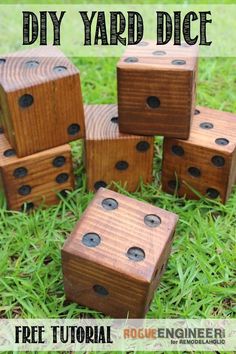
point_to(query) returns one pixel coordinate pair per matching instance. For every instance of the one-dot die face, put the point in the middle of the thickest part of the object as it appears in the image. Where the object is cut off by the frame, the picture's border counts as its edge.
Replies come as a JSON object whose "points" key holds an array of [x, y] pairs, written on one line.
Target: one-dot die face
{"points": [[119, 244]]}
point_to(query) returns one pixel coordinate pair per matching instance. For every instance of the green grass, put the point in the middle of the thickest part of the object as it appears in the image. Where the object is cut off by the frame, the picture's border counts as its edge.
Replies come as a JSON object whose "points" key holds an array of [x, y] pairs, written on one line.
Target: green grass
{"points": [[199, 280]]}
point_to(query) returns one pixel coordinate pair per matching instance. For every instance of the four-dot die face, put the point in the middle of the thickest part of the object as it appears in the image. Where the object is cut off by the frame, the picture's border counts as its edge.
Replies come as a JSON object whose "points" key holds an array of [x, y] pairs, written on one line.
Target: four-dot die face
{"points": [[205, 164], [156, 90], [41, 100], [113, 156], [116, 254]]}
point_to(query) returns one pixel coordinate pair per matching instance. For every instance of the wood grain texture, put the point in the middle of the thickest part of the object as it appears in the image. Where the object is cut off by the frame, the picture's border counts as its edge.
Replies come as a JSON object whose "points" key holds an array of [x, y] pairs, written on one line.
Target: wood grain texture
{"points": [[40, 176], [199, 151], [105, 146], [129, 283], [57, 100], [155, 75]]}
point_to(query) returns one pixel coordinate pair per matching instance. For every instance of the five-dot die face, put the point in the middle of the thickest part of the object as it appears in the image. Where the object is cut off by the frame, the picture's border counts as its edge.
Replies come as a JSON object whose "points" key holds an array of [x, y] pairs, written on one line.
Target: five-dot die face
{"points": [[113, 156], [40, 99], [156, 90], [115, 256], [205, 164]]}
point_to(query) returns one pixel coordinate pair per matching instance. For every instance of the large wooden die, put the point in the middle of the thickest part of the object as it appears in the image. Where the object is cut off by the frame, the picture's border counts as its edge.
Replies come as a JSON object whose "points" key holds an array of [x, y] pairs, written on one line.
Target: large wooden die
{"points": [[114, 258], [41, 100], [156, 90], [205, 164], [113, 156], [28, 182]]}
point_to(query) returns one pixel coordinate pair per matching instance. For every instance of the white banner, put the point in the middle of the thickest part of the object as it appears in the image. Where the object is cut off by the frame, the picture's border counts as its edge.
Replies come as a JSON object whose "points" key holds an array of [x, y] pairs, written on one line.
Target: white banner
{"points": [[112, 335]]}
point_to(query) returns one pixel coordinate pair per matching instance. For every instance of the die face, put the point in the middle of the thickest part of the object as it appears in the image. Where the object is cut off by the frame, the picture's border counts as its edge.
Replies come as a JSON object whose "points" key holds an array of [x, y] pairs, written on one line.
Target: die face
{"points": [[36, 179], [42, 107], [113, 156], [203, 163], [118, 244], [156, 96]]}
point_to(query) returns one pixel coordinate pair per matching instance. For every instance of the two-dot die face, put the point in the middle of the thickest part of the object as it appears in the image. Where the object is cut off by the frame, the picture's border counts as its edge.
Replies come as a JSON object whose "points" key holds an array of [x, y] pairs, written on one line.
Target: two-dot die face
{"points": [[40, 99], [115, 256], [205, 164], [156, 90]]}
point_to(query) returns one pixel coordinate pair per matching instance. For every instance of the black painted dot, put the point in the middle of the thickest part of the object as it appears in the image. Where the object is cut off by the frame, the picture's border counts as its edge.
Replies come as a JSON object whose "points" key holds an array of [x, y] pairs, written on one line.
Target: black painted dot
{"points": [[212, 193], [196, 111], [26, 101], [109, 204], [122, 165], [153, 102], [194, 171], [20, 172], [64, 193], [31, 64], [152, 220], [91, 239], [218, 161], [9, 153], [1, 130], [100, 290], [178, 62], [25, 190], [131, 60], [59, 69], [99, 184], [59, 161], [2, 61], [159, 53], [114, 120], [177, 150], [142, 146], [136, 254], [73, 129], [173, 184], [206, 125], [27, 206], [62, 178], [222, 141]]}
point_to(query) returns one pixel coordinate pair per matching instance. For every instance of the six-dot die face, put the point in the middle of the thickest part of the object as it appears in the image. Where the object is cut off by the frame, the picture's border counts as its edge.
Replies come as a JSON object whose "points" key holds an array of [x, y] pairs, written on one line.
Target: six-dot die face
{"points": [[36, 179], [115, 256], [205, 163]]}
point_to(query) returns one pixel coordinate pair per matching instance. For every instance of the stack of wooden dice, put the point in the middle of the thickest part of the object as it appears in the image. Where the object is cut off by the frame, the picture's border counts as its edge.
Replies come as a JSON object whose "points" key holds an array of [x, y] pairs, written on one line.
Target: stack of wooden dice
{"points": [[41, 110], [117, 253]]}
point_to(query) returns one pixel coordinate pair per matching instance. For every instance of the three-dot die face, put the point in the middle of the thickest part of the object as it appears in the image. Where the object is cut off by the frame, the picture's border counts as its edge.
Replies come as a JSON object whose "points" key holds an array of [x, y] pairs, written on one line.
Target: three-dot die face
{"points": [[115, 256], [203, 165]]}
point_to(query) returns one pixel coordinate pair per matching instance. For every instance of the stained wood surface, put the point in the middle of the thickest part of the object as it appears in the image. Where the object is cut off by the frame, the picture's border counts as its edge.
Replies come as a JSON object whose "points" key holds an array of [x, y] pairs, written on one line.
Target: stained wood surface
{"points": [[155, 75], [105, 146], [199, 150], [129, 283], [41, 176], [57, 99]]}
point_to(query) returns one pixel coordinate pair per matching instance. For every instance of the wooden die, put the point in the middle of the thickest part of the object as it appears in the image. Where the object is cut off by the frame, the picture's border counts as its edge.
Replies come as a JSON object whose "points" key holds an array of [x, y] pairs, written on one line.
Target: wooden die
{"points": [[113, 156], [205, 164], [114, 258], [156, 90], [40, 99], [30, 181]]}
